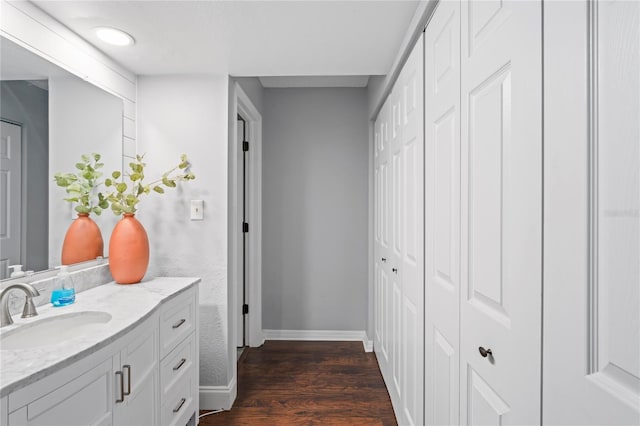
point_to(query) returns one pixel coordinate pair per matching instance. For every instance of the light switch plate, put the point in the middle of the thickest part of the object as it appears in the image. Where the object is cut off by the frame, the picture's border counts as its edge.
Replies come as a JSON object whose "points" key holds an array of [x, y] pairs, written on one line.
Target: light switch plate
{"points": [[197, 210]]}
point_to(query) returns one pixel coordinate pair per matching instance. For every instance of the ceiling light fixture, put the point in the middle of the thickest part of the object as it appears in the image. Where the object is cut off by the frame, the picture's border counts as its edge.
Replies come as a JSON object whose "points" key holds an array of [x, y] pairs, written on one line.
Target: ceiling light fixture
{"points": [[114, 36]]}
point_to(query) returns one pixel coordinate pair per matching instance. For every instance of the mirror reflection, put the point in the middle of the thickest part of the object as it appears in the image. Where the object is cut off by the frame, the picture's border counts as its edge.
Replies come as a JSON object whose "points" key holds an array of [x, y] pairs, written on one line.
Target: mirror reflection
{"points": [[49, 118]]}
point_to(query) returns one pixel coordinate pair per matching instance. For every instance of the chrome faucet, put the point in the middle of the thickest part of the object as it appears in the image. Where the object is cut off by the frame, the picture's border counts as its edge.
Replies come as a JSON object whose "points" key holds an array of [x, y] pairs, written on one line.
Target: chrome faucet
{"points": [[29, 308]]}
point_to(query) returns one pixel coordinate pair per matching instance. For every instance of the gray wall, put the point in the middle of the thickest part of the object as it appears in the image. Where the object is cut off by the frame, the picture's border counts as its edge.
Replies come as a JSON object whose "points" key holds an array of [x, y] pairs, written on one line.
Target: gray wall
{"points": [[254, 90], [374, 90], [315, 217], [27, 104]]}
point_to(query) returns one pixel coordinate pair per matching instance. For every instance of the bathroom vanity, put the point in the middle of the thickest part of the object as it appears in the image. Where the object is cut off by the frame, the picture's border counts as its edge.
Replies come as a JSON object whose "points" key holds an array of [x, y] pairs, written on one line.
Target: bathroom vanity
{"points": [[120, 355]]}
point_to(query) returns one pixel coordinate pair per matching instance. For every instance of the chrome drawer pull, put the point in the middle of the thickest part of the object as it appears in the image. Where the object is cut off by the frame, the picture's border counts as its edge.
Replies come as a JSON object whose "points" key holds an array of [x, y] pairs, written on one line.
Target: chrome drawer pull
{"points": [[180, 364], [121, 399], [182, 401], [179, 323], [128, 367]]}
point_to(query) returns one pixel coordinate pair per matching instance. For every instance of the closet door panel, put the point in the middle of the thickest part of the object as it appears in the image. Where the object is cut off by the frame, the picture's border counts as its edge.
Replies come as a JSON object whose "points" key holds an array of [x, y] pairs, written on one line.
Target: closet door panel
{"points": [[501, 210], [399, 288], [397, 213], [382, 241], [592, 225], [442, 215], [412, 241]]}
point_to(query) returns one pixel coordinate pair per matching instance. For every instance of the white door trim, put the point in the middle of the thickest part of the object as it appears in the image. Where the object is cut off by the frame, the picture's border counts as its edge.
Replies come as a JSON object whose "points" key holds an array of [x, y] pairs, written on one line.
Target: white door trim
{"points": [[241, 104]]}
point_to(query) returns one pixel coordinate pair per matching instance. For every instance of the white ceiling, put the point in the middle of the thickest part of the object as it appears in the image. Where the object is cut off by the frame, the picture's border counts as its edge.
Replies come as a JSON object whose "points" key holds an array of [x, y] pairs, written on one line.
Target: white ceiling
{"points": [[246, 38], [316, 81]]}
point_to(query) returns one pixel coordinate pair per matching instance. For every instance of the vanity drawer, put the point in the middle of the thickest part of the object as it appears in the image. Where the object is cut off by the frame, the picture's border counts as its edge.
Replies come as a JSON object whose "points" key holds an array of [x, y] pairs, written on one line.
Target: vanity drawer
{"points": [[177, 364], [178, 404], [177, 321]]}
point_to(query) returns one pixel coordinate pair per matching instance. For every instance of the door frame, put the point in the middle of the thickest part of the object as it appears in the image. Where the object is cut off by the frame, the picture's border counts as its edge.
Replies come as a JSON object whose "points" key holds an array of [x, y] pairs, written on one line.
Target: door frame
{"points": [[23, 195], [241, 104]]}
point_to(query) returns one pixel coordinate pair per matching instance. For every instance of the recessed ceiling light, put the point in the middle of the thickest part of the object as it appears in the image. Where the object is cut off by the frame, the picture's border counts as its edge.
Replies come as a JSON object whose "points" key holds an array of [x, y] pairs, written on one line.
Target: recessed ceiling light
{"points": [[114, 36]]}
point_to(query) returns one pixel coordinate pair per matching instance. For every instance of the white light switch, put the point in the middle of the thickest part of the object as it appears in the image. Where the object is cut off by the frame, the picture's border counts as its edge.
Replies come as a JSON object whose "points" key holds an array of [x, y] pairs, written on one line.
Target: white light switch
{"points": [[197, 210]]}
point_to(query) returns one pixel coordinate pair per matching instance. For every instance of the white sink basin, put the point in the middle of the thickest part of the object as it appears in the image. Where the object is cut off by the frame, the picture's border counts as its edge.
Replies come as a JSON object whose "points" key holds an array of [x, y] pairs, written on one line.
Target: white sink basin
{"points": [[54, 330]]}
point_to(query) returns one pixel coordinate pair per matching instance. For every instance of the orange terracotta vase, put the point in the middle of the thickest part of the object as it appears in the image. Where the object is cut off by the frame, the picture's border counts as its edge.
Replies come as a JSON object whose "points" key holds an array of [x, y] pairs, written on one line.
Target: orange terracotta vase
{"points": [[82, 242], [128, 251]]}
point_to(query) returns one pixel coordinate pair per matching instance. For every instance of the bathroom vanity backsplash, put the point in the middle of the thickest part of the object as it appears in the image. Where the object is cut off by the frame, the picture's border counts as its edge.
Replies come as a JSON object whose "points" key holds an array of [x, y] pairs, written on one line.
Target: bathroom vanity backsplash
{"points": [[83, 279]]}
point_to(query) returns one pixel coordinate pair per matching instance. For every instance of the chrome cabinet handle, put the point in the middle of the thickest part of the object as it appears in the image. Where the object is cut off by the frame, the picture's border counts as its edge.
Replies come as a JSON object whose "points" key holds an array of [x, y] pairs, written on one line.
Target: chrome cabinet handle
{"points": [[384, 259], [180, 364], [394, 270], [121, 399], [179, 323], [128, 368], [484, 352], [179, 406]]}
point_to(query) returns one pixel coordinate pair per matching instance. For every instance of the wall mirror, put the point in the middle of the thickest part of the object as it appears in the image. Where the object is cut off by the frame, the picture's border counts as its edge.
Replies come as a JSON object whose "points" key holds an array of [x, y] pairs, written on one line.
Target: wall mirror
{"points": [[49, 118]]}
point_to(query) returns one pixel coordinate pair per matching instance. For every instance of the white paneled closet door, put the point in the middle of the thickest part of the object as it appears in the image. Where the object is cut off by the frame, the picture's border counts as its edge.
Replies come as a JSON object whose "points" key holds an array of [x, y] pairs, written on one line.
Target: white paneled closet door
{"points": [[382, 239], [395, 252], [501, 212], [399, 241], [592, 220], [442, 215], [411, 269]]}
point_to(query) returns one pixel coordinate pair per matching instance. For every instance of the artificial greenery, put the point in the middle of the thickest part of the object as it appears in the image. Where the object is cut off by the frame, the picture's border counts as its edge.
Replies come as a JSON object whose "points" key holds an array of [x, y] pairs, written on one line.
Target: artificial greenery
{"points": [[125, 197], [81, 186]]}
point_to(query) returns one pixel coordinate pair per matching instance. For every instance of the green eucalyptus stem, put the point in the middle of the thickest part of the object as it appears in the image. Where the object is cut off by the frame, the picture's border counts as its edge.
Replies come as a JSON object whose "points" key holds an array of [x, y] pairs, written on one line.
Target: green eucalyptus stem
{"points": [[81, 186], [125, 198]]}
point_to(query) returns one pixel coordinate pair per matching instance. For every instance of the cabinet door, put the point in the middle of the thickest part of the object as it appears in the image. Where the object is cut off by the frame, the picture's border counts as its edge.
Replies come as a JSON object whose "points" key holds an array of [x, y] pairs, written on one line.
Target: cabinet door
{"points": [[86, 400], [592, 213], [138, 384]]}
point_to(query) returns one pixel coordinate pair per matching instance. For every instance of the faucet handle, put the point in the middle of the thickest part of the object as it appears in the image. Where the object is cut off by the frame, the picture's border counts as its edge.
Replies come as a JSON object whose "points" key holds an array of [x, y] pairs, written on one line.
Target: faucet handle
{"points": [[29, 309]]}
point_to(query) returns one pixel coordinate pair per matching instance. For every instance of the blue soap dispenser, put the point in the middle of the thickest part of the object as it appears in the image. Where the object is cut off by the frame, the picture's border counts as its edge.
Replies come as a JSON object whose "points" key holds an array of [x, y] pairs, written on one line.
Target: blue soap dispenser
{"points": [[64, 293]]}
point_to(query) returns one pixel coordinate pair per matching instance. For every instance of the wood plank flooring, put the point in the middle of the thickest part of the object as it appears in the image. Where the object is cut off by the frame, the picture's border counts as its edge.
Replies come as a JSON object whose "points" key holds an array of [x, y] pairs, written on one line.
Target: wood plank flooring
{"points": [[308, 383]]}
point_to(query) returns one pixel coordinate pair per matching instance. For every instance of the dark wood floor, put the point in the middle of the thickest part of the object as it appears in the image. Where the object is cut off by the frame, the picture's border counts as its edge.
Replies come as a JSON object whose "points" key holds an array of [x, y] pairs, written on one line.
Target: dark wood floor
{"points": [[308, 383]]}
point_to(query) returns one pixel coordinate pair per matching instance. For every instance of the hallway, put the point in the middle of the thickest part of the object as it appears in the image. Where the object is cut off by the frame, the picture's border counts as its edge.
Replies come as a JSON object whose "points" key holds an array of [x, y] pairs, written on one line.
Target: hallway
{"points": [[328, 383]]}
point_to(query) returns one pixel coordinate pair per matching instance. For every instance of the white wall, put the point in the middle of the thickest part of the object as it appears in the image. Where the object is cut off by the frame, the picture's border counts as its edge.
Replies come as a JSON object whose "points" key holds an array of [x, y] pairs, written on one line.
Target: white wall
{"points": [[28, 105], [315, 209], [188, 114]]}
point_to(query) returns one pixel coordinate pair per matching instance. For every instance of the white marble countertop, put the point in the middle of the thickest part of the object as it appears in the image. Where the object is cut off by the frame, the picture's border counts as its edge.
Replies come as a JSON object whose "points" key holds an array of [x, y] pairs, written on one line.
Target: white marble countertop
{"points": [[128, 305]]}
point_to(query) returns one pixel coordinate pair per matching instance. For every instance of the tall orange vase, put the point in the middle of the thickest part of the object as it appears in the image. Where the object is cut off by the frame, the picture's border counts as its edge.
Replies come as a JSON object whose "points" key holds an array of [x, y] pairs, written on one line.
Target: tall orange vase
{"points": [[82, 242], [128, 251]]}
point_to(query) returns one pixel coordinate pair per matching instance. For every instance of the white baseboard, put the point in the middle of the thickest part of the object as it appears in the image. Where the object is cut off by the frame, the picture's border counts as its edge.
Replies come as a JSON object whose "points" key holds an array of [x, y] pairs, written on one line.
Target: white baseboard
{"points": [[218, 397], [321, 335], [368, 345]]}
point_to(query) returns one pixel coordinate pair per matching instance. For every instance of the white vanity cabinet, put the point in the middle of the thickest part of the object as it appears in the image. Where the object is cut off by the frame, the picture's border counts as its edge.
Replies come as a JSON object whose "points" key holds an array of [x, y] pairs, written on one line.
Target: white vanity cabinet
{"points": [[148, 375], [65, 399], [135, 376], [178, 368]]}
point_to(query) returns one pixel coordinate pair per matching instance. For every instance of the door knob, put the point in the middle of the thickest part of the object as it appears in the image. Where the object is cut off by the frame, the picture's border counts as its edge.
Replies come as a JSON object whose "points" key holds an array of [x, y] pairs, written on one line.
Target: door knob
{"points": [[394, 270], [384, 259], [484, 352]]}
